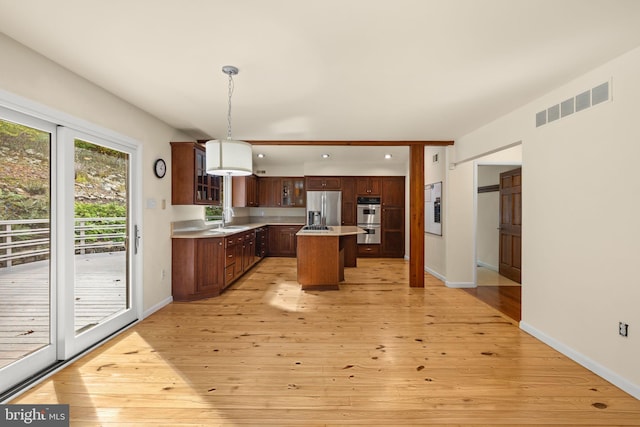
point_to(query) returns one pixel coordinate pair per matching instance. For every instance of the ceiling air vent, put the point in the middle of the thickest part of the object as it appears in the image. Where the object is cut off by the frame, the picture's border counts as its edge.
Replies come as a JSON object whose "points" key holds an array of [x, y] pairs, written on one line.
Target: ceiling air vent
{"points": [[582, 101]]}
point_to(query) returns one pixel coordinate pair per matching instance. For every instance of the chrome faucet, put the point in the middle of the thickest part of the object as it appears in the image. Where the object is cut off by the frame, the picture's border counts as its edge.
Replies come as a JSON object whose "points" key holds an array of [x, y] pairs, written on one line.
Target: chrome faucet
{"points": [[226, 211]]}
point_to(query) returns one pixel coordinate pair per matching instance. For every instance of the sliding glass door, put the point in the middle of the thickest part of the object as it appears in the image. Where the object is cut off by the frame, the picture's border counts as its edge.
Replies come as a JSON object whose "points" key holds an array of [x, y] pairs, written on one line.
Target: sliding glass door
{"points": [[98, 245], [68, 255], [27, 262]]}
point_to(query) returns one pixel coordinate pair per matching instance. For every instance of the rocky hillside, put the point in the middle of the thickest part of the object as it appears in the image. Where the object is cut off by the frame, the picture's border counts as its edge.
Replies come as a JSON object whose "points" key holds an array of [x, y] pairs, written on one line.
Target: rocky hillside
{"points": [[24, 173]]}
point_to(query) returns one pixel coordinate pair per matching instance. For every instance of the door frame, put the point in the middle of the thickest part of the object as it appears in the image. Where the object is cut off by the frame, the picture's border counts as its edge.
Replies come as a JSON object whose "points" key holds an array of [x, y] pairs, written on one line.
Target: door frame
{"points": [[38, 111], [69, 342], [476, 164]]}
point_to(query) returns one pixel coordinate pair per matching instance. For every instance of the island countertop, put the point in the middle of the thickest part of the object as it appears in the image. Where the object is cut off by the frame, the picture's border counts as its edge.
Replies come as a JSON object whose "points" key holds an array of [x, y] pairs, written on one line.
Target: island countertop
{"points": [[334, 230]]}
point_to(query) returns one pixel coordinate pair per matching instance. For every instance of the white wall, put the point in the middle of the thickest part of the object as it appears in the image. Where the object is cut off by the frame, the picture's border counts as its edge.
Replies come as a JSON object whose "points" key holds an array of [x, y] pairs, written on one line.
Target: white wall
{"points": [[434, 246], [29, 75], [581, 238]]}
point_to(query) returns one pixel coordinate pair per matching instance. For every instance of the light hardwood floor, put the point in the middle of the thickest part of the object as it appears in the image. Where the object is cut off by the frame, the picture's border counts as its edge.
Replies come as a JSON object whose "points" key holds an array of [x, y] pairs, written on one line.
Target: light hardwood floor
{"points": [[376, 352]]}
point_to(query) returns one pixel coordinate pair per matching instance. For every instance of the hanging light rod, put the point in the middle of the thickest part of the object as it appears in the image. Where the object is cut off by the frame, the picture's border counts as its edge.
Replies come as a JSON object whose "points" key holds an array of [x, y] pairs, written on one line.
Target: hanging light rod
{"points": [[229, 157]]}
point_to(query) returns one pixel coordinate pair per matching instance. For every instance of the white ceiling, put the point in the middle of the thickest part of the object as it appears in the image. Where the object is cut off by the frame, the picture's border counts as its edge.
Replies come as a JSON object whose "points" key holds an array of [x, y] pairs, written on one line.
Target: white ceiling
{"points": [[330, 69]]}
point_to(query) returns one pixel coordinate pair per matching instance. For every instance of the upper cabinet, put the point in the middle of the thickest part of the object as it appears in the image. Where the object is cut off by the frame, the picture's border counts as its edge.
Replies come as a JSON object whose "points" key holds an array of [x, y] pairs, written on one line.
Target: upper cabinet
{"points": [[281, 192], [368, 185], [323, 183], [393, 191], [190, 183], [293, 194], [245, 191]]}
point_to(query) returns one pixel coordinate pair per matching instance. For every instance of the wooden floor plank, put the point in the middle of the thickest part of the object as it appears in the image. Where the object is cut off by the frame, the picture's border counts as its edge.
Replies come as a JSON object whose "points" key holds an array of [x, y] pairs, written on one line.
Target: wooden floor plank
{"points": [[375, 352], [24, 300]]}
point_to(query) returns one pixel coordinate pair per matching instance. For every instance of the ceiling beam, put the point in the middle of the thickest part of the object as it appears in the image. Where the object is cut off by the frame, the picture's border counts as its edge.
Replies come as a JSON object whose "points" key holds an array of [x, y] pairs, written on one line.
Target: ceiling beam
{"points": [[353, 143]]}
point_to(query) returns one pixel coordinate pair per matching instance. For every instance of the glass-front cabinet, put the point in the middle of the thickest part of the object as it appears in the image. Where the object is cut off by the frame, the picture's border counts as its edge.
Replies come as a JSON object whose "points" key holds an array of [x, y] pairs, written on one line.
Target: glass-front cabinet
{"points": [[190, 183], [293, 194], [281, 192]]}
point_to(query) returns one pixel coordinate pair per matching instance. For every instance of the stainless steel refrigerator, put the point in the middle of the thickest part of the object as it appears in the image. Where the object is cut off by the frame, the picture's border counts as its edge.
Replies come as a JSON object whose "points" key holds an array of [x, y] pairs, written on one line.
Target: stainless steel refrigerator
{"points": [[324, 207]]}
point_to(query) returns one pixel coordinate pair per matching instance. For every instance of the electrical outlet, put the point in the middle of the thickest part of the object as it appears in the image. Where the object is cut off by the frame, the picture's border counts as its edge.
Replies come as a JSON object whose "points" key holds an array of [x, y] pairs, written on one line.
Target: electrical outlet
{"points": [[623, 329], [163, 274]]}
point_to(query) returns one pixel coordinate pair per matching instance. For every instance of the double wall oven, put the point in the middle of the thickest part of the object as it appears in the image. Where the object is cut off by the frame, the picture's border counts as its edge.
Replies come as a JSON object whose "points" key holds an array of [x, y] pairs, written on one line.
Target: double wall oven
{"points": [[369, 220]]}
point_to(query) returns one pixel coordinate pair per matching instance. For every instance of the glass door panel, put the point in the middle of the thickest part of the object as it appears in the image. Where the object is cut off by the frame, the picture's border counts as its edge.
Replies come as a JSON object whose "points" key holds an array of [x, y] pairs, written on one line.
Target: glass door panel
{"points": [[100, 233], [27, 333], [97, 266]]}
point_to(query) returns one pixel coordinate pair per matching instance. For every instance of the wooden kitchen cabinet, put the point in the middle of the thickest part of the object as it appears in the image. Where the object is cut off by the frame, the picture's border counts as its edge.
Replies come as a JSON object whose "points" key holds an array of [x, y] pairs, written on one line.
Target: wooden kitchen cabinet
{"points": [[368, 185], [323, 183], [268, 192], [281, 192], [393, 191], [293, 193], [349, 199], [245, 191], [282, 240], [240, 255], [190, 183], [197, 268], [392, 218]]}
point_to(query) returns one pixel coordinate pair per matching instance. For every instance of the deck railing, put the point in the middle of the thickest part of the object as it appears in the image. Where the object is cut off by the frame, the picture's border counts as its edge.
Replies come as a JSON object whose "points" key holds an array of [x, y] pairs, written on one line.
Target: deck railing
{"points": [[27, 240]]}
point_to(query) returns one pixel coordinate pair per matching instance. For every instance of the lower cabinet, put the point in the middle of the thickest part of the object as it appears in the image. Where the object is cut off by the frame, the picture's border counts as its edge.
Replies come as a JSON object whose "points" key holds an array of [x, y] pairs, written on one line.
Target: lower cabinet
{"points": [[282, 240], [368, 250], [240, 255], [392, 232], [197, 268], [204, 267]]}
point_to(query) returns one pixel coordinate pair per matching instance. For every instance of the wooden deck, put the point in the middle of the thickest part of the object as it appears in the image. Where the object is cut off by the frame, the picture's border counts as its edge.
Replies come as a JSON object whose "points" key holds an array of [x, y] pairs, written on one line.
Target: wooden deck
{"points": [[24, 300], [374, 353]]}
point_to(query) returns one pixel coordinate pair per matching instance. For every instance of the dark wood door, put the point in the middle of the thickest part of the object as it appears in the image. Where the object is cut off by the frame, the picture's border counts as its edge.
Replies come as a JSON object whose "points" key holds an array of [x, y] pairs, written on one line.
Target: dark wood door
{"points": [[511, 224]]}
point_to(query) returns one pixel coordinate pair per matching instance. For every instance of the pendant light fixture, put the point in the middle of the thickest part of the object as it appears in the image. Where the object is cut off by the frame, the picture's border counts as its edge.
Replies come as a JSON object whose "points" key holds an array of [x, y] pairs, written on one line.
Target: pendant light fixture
{"points": [[229, 157]]}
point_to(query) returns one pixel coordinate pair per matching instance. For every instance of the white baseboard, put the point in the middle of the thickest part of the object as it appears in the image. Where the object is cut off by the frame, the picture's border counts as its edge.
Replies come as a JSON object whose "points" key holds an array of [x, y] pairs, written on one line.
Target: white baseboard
{"points": [[459, 284], [435, 274], [487, 266], [596, 368], [157, 307]]}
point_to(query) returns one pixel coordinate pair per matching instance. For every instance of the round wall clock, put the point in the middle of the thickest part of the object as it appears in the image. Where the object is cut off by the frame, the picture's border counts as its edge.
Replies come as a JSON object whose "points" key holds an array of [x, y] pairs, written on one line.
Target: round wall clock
{"points": [[160, 168]]}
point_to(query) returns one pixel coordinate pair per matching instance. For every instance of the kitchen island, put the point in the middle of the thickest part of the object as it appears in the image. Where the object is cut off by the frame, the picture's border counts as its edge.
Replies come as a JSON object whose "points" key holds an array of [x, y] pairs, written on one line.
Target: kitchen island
{"points": [[323, 254]]}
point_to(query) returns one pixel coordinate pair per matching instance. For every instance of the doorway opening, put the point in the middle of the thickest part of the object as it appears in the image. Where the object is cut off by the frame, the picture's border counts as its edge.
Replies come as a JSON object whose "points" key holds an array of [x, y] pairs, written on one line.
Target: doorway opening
{"points": [[497, 236]]}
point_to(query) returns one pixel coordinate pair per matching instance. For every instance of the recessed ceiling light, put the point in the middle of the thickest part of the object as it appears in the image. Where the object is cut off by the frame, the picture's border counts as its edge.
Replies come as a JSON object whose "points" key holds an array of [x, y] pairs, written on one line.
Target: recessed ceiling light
{"points": [[326, 156], [388, 156], [260, 156]]}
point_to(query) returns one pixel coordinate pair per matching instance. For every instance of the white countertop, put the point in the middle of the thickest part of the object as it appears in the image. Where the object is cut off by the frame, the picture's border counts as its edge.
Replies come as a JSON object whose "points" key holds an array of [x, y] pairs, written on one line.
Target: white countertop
{"points": [[334, 230], [198, 229]]}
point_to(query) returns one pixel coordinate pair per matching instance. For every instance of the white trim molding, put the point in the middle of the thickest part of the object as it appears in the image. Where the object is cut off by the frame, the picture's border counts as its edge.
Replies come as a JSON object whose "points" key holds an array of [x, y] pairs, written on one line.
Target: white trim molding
{"points": [[487, 266], [435, 274], [596, 368], [459, 284], [165, 302]]}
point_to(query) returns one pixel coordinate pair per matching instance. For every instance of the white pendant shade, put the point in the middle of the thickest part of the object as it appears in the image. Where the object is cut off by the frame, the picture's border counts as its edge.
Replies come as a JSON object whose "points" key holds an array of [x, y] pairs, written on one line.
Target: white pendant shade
{"points": [[229, 157]]}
